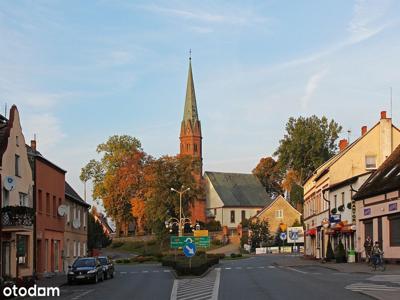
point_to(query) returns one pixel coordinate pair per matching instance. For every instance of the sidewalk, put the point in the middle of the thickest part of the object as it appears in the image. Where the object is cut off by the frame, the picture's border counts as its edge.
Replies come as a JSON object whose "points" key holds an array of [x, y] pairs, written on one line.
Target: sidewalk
{"points": [[52, 281], [300, 261], [227, 250]]}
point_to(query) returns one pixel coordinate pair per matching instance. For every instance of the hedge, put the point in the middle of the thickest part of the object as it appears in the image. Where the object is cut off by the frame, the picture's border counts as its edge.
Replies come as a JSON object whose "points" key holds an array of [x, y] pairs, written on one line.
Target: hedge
{"points": [[199, 265]]}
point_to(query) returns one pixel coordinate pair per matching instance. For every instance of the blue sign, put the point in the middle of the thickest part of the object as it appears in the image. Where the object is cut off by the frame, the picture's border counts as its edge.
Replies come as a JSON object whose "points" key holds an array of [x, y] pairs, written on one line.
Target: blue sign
{"points": [[294, 235], [189, 249], [283, 236], [335, 218]]}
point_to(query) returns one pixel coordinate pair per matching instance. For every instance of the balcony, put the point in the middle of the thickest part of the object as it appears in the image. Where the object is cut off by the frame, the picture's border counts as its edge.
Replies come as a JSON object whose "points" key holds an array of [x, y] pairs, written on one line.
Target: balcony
{"points": [[16, 218]]}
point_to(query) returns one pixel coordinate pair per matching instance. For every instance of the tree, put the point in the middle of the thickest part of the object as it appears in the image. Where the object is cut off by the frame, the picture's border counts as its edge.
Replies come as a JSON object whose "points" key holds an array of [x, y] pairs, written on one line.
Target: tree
{"points": [[270, 176], [139, 213], [97, 239], [259, 233], [307, 144], [160, 176], [117, 177]]}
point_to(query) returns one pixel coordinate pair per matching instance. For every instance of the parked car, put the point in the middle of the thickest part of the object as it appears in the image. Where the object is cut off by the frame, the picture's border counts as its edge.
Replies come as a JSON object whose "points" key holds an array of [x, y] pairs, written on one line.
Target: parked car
{"points": [[85, 269], [108, 266]]}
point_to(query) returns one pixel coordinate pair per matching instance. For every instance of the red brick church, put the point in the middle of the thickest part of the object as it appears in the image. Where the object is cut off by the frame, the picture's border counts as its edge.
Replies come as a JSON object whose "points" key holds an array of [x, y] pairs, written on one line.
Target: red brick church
{"points": [[191, 141]]}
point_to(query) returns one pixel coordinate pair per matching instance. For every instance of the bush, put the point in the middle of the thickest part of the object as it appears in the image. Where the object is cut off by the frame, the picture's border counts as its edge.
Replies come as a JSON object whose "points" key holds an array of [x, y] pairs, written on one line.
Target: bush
{"points": [[201, 253], [216, 242], [218, 255], [116, 244], [213, 226], [126, 261], [199, 264], [234, 255]]}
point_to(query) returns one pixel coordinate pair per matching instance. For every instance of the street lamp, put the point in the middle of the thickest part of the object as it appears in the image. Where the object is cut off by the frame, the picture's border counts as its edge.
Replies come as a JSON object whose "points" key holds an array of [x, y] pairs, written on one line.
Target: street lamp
{"points": [[181, 221]]}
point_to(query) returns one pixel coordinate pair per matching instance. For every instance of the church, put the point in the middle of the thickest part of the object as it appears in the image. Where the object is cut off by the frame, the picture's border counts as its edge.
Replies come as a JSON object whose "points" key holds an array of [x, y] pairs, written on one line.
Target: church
{"points": [[229, 197]]}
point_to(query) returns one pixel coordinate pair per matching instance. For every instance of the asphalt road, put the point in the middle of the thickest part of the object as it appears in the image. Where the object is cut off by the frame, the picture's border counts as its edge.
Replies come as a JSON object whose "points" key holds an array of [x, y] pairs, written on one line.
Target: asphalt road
{"points": [[252, 278]]}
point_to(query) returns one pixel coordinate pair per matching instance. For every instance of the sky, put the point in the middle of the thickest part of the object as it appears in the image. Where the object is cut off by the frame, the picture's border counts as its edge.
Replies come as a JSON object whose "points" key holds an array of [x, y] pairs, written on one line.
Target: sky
{"points": [[82, 71]]}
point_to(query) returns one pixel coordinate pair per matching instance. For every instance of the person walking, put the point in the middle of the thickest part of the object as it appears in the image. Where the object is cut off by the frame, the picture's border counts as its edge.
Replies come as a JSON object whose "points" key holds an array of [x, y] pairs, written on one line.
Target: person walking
{"points": [[368, 248]]}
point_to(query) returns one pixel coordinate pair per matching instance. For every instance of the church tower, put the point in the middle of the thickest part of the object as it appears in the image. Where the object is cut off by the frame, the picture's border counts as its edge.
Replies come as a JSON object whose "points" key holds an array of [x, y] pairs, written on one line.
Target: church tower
{"points": [[190, 137], [191, 142]]}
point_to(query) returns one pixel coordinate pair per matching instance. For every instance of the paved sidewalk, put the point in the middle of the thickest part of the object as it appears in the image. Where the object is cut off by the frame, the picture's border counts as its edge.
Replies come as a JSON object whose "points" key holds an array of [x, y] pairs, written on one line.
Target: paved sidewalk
{"points": [[227, 250], [297, 261], [53, 281]]}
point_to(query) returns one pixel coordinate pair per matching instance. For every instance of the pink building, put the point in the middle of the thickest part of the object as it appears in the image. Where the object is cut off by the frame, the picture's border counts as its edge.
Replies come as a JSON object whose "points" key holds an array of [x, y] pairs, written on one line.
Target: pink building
{"points": [[378, 207]]}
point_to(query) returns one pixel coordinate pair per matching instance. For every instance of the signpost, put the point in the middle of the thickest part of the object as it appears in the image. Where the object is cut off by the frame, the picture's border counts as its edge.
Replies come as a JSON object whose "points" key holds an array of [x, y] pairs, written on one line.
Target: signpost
{"points": [[180, 241]]}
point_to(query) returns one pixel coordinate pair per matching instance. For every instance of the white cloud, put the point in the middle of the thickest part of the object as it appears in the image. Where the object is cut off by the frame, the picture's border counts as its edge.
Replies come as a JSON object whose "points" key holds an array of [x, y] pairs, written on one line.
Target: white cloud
{"points": [[46, 127], [312, 85]]}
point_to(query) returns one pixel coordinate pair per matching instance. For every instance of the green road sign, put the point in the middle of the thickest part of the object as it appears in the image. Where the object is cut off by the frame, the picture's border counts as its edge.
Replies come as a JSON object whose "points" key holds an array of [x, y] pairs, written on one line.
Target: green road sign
{"points": [[180, 241]]}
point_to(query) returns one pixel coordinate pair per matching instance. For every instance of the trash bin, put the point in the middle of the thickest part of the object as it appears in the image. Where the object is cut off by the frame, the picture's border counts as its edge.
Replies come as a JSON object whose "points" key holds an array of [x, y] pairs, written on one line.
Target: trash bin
{"points": [[351, 256]]}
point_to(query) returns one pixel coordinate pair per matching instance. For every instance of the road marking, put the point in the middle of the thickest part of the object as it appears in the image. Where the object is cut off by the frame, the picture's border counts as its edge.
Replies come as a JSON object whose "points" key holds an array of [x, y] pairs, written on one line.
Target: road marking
{"points": [[261, 267], [167, 271], [271, 267], [81, 295], [228, 268], [156, 271], [238, 268], [123, 272], [293, 269], [145, 271], [388, 278], [360, 286]]}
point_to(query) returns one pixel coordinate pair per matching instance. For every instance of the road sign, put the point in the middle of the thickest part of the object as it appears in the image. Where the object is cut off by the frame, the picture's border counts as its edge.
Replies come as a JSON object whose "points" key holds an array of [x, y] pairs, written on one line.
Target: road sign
{"points": [[200, 233], [283, 236], [189, 249], [180, 241], [294, 235]]}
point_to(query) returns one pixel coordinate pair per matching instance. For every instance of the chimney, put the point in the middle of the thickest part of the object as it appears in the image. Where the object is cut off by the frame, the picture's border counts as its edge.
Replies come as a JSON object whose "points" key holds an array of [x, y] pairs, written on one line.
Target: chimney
{"points": [[364, 130], [343, 144], [33, 145], [383, 114]]}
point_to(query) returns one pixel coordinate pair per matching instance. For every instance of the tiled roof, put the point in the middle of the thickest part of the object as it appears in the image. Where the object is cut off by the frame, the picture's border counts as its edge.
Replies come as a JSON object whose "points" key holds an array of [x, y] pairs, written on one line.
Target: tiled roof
{"points": [[385, 179], [241, 190], [73, 195]]}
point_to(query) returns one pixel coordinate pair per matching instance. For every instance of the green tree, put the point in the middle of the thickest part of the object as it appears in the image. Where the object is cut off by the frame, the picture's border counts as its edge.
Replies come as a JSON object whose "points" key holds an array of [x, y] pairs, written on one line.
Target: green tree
{"points": [[117, 176], [270, 175], [259, 233], [160, 176], [307, 143], [97, 239]]}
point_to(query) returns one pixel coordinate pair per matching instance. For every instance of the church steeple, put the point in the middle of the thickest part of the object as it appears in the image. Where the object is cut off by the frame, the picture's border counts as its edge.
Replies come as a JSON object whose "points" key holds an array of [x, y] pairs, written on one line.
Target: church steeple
{"points": [[190, 137], [190, 112]]}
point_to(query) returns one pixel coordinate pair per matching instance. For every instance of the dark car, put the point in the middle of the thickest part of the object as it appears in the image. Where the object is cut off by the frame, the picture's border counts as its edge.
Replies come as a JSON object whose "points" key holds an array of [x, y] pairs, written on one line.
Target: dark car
{"points": [[108, 266], [85, 269]]}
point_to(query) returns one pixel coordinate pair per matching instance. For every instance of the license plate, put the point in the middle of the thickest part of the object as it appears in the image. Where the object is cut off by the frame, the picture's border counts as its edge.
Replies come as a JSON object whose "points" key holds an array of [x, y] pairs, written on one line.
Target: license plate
{"points": [[80, 276]]}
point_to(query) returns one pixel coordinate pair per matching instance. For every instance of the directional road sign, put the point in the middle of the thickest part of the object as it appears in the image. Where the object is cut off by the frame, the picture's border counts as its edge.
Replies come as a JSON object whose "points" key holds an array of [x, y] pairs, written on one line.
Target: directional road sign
{"points": [[180, 241], [189, 249]]}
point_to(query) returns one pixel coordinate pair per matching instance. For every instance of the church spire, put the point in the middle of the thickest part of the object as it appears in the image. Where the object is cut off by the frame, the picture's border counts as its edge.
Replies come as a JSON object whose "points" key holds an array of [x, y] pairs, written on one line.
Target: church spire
{"points": [[190, 112]]}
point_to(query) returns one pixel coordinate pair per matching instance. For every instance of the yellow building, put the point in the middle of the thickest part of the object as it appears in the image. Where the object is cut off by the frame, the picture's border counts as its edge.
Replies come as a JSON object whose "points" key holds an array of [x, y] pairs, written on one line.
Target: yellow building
{"points": [[278, 212], [360, 157]]}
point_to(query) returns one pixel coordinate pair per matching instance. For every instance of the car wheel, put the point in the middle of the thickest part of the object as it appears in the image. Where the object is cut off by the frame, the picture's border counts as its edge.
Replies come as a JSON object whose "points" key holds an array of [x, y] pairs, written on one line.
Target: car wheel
{"points": [[105, 275], [96, 279], [70, 282], [102, 276]]}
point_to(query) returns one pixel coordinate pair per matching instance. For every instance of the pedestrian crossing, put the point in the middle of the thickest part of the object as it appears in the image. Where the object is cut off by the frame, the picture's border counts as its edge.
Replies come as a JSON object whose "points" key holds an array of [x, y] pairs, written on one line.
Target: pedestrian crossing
{"points": [[248, 268], [387, 278], [205, 288], [143, 272], [361, 287]]}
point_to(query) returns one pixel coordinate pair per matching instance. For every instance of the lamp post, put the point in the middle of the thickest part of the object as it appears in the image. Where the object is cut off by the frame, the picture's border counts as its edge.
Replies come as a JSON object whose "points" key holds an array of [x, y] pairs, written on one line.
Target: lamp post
{"points": [[181, 192]]}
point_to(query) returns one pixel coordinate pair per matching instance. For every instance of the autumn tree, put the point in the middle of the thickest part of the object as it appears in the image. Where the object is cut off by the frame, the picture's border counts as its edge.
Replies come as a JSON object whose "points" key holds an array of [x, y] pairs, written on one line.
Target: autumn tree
{"points": [[117, 177], [270, 175], [160, 176], [307, 143], [292, 185], [139, 214]]}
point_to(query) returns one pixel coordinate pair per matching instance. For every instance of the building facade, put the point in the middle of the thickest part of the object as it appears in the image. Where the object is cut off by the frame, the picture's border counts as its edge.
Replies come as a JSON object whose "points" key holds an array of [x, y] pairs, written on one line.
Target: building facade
{"points": [[76, 233], [233, 197], [191, 142], [280, 211], [17, 214], [49, 226], [378, 208], [365, 154]]}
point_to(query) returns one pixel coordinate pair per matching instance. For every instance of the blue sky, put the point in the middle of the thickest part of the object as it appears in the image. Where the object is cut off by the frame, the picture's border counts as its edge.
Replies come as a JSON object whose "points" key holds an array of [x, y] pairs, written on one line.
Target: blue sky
{"points": [[81, 71]]}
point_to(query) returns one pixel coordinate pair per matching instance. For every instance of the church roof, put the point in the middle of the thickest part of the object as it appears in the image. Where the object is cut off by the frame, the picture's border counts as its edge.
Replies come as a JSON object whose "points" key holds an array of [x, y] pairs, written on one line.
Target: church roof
{"points": [[238, 189], [190, 112]]}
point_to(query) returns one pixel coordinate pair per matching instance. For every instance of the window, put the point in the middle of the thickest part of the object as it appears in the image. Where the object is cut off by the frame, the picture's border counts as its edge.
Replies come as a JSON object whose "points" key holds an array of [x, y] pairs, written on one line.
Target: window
{"points": [[17, 162], [84, 219], [23, 199], [6, 198], [74, 244], [232, 216], [279, 214], [342, 198], [368, 229], [16, 141], [215, 212], [79, 217], [394, 228], [79, 248], [195, 147], [187, 147], [40, 201], [47, 203], [22, 249], [67, 248], [370, 162], [84, 249], [335, 199], [54, 206], [243, 215], [68, 213], [75, 213]]}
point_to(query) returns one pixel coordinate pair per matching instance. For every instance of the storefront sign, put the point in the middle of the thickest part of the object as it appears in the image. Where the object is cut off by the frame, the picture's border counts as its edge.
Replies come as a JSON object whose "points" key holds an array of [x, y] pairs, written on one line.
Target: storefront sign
{"points": [[392, 206], [367, 211], [353, 212], [335, 218]]}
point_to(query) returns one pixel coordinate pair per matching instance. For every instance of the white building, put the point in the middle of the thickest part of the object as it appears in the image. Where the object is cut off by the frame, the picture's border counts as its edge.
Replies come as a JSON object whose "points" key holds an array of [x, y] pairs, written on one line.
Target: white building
{"points": [[233, 197]]}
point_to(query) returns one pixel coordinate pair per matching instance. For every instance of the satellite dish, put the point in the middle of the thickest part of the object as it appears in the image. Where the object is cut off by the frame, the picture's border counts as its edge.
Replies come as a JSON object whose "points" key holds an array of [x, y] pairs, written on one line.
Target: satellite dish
{"points": [[76, 223], [62, 210], [9, 183]]}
